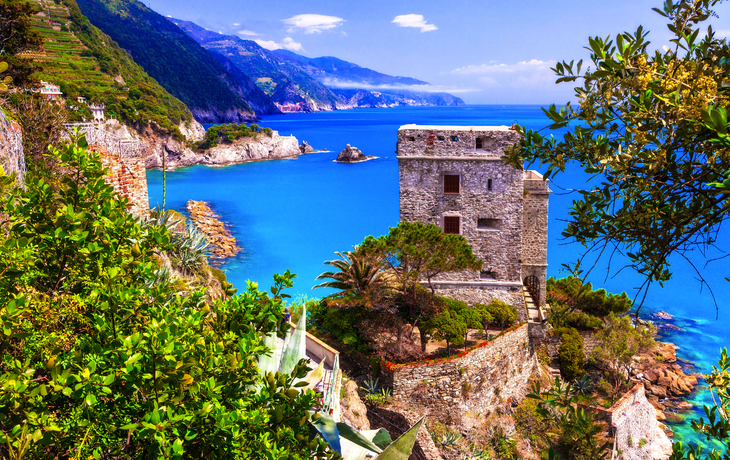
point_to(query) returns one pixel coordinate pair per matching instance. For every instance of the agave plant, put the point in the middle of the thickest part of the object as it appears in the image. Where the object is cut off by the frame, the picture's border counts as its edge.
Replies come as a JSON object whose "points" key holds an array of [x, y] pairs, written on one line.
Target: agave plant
{"points": [[358, 274], [350, 443]]}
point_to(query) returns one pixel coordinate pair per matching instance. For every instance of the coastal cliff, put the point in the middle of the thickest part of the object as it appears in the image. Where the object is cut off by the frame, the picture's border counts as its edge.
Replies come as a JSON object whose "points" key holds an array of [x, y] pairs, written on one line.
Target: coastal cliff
{"points": [[153, 142]]}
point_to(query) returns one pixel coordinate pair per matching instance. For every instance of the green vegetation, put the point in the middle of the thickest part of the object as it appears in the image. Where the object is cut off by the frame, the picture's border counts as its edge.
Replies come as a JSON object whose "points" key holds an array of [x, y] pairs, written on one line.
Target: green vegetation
{"points": [[160, 47], [101, 358], [651, 128], [571, 356], [415, 251], [575, 304], [502, 315], [229, 133], [557, 421], [617, 345], [85, 62]]}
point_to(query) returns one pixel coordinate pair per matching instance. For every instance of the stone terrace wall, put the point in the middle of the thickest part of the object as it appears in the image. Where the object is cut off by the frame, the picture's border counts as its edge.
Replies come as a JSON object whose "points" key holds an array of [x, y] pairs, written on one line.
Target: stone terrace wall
{"points": [[460, 391], [129, 179]]}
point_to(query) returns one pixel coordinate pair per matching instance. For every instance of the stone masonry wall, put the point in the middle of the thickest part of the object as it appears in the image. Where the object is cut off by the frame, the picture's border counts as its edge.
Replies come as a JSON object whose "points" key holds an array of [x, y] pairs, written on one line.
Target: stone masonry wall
{"points": [[461, 391], [633, 425], [534, 228], [426, 154], [129, 179]]}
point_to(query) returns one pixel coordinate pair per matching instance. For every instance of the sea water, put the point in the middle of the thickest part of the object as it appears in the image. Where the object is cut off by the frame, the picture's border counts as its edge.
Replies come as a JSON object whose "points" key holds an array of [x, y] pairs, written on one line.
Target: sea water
{"points": [[294, 214]]}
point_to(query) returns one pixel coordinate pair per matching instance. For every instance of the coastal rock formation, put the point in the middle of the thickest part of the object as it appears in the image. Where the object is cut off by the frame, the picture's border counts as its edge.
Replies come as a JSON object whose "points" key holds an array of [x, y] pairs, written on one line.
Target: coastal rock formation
{"points": [[351, 155], [222, 244], [154, 142], [251, 149], [305, 148]]}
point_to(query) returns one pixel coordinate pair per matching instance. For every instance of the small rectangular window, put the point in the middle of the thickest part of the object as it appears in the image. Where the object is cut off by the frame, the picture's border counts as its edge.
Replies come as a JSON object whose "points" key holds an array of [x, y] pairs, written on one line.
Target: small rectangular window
{"points": [[441, 138], [451, 183], [489, 224], [451, 224], [479, 143], [489, 184], [454, 138]]}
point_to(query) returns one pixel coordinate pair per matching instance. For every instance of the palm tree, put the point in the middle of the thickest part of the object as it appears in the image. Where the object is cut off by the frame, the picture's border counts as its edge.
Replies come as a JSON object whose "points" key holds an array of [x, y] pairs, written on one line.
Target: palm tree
{"points": [[358, 274]]}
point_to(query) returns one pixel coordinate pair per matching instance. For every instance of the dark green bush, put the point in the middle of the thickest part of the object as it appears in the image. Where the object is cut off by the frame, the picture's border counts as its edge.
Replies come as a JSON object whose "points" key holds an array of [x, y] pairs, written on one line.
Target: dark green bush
{"points": [[341, 324], [503, 315], [571, 356]]}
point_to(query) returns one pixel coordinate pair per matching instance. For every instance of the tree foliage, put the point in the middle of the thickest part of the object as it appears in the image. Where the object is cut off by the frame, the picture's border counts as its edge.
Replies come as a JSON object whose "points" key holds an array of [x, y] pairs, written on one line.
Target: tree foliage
{"points": [[618, 343], [100, 359], [569, 427], [651, 128], [571, 356], [416, 251], [17, 36]]}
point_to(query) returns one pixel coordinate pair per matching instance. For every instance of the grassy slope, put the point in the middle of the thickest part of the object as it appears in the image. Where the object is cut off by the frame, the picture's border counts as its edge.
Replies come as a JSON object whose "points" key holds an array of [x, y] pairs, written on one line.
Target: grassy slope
{"points": [[86, 62], [175, 60]]}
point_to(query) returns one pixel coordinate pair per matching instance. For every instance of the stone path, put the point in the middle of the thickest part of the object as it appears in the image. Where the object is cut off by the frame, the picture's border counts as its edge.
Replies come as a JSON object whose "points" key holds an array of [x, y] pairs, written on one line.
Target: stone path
{"points": [[222, 244]]}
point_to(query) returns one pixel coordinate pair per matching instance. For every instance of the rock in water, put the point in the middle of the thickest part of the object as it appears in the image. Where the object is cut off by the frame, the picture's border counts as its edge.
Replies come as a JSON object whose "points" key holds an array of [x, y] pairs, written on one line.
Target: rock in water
{"points": [[306, 148], [351, 155]]}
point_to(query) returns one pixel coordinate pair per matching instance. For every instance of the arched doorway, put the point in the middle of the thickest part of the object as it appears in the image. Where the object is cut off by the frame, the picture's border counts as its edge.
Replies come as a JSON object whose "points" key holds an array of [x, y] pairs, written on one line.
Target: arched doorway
{"points": [[532, 283]]}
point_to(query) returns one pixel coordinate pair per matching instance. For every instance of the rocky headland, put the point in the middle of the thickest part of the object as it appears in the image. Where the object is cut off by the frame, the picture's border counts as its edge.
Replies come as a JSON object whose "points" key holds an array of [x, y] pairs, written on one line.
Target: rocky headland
{"points": [[220, 241], [352, 155], [154, 142]]}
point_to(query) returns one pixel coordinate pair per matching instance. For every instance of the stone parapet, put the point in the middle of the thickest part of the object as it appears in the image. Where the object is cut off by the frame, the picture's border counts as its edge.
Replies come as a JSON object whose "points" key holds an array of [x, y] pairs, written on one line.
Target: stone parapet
{"points": [[128, 177]]}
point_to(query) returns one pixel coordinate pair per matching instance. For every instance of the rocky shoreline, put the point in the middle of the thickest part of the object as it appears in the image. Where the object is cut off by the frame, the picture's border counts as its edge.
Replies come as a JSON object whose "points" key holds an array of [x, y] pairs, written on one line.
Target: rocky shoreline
{"points": [[222, 244]]}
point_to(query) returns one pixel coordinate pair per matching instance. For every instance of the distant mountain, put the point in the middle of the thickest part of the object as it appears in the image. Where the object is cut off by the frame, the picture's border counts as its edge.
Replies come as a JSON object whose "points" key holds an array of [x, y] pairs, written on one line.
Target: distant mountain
{"points": [[213, 90], [289, 87], [336, 71], [298, 83]]}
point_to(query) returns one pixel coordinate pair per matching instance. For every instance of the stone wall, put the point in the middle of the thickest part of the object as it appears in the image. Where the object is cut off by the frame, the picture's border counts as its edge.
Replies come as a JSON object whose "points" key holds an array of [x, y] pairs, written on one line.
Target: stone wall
{"points": [[534, 229], [129, 178], [12, 158], [489, 201], [633, 427], [464, 389]]}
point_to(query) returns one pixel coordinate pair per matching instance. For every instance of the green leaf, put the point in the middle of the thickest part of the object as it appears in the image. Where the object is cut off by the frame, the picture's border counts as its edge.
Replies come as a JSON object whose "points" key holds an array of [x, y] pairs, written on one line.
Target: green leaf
{"points": [[354, 436], [402, 447], [382, 438], [327, 427]]}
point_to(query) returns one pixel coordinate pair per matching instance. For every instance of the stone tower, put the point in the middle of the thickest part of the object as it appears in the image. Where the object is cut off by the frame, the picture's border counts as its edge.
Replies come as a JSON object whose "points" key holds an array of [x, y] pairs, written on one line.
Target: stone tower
{"points": [[453, 177]]}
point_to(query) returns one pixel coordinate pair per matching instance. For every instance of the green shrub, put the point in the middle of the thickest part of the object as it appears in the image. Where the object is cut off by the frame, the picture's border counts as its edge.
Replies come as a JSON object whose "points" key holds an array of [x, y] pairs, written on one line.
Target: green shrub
{"points": [[502, 315], [133, 371], [341, 324], [571, 356]]}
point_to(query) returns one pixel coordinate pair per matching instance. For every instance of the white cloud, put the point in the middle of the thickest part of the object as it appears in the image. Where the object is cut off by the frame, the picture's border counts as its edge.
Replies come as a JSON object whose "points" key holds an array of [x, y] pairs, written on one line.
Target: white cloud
{"points": [[312, 23], [249, 33], [533, 66], [288, 44], [236, 24], [269, 44], [291, 45], [414, 20], [335, 83]]}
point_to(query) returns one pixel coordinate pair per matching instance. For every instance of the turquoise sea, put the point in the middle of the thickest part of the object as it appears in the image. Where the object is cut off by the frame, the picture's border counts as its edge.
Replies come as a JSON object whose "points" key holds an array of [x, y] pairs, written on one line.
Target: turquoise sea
{"points": [[294, 214]]}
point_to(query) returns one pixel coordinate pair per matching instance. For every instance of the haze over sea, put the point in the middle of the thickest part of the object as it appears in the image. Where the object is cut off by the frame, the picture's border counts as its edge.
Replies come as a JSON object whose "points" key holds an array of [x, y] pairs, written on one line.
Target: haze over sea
{"points": [[294, 214]]}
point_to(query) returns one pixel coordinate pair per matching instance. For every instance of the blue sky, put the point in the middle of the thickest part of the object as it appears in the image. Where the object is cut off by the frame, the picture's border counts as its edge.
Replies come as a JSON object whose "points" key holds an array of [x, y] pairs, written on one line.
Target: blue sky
{"points": [[486, 52]]}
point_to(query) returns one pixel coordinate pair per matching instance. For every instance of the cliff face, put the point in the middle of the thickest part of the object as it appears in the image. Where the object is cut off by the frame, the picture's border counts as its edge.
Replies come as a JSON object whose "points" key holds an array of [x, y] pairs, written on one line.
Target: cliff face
{"points": [[153, 142]]}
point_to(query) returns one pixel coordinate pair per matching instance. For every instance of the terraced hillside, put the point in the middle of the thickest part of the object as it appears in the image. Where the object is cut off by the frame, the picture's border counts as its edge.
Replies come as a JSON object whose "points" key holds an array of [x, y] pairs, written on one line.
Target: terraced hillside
{"points": [[86, 62]]}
